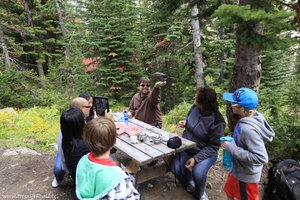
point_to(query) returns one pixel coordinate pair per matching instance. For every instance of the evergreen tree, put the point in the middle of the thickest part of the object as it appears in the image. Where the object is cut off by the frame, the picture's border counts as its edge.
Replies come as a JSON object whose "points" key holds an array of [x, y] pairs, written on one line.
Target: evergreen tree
{"points": [[111, 36], [256, 25]]}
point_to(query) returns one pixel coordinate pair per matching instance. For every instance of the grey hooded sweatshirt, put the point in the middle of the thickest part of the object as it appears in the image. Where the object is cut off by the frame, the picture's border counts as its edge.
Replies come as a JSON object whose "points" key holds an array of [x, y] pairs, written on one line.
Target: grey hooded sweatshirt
{"points": [[248, 148]]}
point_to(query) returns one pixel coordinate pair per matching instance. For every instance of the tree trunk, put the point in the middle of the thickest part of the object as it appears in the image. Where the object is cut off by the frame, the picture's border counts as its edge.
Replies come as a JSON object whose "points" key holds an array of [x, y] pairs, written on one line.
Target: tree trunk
{"points": [[29, 18], [63, 29], [4, 49], [221, 57], [40, 68], [197, 42], [247, 67]]}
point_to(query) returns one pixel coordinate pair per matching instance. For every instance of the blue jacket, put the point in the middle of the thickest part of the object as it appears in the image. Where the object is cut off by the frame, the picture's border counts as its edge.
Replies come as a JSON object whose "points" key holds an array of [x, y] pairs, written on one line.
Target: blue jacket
{"points": [[204, 128]]}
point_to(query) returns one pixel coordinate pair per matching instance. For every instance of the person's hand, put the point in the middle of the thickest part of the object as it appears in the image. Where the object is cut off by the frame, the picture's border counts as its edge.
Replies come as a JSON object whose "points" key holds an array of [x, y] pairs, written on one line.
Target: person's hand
{"points": [[95, 114], [181, 123], [224, 144], [160, 84], [190, 164], [109, 114], [129, 115]]}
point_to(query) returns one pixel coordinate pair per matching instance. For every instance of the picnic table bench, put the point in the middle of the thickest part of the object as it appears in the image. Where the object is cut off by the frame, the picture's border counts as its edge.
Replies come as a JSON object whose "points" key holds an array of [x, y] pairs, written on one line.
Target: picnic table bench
{"points": [[143, 152]]}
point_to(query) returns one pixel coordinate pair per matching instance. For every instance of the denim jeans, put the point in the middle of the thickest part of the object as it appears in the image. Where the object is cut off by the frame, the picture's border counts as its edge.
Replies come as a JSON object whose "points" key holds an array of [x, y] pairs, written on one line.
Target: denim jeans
{"points": [[57, 168], [197, 176]]}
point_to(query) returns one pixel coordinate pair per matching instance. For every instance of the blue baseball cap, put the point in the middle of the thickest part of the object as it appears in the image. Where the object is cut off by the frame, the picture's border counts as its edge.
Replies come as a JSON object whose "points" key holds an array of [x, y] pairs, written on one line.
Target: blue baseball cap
{"points": [[244, 97]]}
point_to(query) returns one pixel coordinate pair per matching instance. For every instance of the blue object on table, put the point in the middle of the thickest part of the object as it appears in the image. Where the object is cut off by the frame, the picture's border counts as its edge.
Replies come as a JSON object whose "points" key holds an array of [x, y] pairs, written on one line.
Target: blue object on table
{"points": [[227, 157], [126, 117], [120, 118]]}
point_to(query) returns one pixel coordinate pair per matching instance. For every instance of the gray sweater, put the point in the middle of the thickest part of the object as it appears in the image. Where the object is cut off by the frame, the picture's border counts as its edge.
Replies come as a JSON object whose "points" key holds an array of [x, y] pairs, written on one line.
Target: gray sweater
{"points": [[248, 148]]}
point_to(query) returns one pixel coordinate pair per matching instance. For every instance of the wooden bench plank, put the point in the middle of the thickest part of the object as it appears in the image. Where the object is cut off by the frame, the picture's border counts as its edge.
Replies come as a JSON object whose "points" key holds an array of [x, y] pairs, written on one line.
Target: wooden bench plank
{"points": [[153, 151], [140, 146], [140, 157], [151, 131]]}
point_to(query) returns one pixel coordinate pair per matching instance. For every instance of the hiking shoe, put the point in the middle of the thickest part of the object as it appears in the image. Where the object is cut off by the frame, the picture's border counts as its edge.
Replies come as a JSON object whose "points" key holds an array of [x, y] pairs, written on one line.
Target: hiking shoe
{"points": [[55, 183], [204, 196], [190, 188]]}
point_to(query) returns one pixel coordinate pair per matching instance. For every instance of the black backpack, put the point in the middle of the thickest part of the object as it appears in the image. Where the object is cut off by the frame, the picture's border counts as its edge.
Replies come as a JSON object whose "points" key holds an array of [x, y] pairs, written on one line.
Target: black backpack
{"points": [[284, 181]]}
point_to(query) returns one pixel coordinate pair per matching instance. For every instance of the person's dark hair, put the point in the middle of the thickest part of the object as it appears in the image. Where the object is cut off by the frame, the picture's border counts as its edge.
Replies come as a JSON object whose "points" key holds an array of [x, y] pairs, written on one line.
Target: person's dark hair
{"points": [[100, 135], [71, 125], [144, 80], [85, 95], [207, 98]]}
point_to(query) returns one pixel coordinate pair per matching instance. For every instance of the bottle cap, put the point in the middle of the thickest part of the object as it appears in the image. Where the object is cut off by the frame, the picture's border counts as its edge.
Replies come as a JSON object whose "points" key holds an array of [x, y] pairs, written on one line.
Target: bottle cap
{"points": [[226, 138]]}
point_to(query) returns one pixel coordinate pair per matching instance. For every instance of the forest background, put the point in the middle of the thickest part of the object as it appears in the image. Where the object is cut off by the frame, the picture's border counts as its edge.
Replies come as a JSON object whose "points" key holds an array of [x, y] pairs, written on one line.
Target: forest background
{"points": [[53, 50]]}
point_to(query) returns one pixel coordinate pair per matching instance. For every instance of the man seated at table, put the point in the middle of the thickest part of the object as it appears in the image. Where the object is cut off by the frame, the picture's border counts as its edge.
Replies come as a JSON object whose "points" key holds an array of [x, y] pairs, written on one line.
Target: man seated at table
{"points": [[97, 176], [144, 105]]}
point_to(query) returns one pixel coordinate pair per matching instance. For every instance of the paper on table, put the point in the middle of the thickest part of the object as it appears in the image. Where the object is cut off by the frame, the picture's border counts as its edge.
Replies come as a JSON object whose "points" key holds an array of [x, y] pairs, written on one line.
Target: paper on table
{"points": [[131, 129]]}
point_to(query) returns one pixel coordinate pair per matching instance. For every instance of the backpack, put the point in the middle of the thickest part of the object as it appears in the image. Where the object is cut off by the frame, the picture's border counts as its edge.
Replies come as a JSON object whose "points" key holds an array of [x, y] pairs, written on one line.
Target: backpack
{"points": [[284, 181]]}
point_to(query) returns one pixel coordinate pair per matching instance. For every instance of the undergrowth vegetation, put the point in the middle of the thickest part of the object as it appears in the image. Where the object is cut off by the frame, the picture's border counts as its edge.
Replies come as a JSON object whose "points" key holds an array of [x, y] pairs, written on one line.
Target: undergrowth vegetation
{"points": [[35, 128]]}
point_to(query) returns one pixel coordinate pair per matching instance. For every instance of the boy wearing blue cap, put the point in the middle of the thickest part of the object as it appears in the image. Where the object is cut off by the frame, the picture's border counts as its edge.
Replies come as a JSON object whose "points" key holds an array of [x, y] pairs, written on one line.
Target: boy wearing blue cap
{"points": [[248, 148]]}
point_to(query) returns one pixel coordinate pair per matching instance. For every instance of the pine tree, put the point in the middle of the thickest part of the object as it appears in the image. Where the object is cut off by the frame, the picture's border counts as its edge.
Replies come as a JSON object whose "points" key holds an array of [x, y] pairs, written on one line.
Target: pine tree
{"points": [[258, 25], [112, 37]]}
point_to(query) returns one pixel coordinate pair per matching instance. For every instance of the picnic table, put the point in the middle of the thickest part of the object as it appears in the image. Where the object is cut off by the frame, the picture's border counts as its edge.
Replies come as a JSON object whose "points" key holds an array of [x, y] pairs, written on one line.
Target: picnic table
{"points": [[143, 152]]}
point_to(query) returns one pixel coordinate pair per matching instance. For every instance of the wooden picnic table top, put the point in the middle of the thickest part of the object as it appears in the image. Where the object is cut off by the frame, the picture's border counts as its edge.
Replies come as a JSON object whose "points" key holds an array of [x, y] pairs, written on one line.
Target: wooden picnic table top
{"points": [[146, 151]]}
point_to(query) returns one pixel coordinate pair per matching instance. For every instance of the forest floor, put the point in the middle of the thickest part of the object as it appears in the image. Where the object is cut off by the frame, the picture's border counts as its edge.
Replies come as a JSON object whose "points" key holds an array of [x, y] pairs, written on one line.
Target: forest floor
{"points": [[26, 174]]}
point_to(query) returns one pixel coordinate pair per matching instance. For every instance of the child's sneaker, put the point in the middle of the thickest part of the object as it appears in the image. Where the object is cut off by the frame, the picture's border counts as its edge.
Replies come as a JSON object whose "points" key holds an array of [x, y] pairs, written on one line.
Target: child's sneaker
{"points": [[204, 196], [55, 183]]}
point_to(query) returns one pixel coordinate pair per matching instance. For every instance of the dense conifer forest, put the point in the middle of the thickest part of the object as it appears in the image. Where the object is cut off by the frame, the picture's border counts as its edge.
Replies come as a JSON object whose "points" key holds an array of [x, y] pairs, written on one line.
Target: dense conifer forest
{"points": [[52, 50]]}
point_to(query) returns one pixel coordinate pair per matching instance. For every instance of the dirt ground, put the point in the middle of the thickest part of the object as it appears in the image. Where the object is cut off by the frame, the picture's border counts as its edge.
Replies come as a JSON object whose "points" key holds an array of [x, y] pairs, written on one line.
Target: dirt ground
{"points": [[25, 174]]}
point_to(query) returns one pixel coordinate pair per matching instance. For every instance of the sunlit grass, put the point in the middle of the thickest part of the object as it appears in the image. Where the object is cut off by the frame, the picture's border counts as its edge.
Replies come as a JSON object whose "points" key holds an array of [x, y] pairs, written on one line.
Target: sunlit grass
{"points": [[35, 128]]}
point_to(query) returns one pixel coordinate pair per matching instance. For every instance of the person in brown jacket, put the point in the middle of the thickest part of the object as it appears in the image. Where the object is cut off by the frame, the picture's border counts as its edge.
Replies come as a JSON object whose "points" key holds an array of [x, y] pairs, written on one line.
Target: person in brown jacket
{"points": [[144, 105]]}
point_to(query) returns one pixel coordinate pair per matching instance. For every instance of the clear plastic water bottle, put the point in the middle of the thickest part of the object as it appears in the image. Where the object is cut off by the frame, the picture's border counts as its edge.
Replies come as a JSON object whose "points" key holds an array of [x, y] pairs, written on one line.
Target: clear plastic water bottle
{"points": [[227, 157], [125, 113]]}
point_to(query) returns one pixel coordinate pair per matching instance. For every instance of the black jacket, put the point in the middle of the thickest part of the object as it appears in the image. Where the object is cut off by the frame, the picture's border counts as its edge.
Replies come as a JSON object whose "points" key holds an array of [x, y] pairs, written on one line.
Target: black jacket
{"points": [[205, 129]]}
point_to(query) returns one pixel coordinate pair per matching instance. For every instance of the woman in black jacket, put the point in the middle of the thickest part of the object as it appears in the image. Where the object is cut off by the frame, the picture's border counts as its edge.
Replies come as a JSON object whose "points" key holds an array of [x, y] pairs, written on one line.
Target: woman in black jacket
{"points": [[204, 125], [72, 123]]}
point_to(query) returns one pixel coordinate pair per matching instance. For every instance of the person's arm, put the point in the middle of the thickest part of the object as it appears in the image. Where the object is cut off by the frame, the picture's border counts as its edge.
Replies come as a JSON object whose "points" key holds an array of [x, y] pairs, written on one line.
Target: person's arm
{"points": [[131, 110], [155, 94], [60, 151], [213, 144], [255, 152]]}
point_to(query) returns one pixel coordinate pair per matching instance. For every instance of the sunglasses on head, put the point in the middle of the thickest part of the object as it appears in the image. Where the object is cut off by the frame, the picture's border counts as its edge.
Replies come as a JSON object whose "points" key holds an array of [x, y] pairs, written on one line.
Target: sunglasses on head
{"points": [[144, 85]]}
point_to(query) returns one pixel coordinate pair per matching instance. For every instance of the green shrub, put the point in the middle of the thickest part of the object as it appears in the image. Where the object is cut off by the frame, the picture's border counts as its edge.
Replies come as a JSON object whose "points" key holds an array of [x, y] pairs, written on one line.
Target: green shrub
{"points": [[22, 89], [171, 119]]}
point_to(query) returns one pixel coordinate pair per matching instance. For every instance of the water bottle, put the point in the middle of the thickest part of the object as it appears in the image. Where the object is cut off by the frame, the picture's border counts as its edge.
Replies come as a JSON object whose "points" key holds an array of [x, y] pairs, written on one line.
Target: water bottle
{"points": [[227, 157], [125, 113]]}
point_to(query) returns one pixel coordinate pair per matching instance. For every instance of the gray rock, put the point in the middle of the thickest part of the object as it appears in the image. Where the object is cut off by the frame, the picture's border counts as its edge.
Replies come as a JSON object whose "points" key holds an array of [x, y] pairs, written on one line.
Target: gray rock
{"points": [[20, 151]]}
